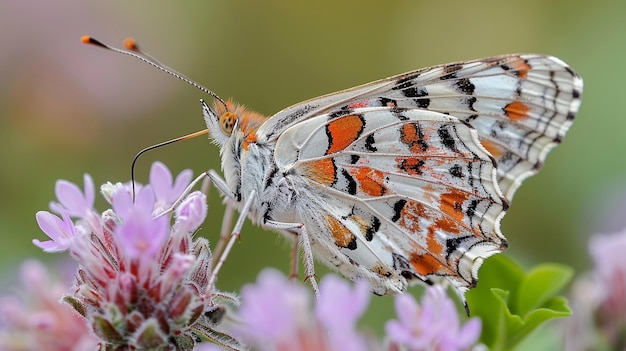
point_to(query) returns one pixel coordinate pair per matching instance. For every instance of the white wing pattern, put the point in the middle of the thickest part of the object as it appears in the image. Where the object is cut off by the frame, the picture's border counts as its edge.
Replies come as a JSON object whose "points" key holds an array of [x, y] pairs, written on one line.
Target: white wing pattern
{"points": [[407, 178]]}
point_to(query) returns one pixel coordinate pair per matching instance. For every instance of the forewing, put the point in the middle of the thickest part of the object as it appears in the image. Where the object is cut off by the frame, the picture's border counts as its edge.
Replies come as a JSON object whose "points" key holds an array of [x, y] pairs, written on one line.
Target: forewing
{"points": [[408, 192], [520, 105]]}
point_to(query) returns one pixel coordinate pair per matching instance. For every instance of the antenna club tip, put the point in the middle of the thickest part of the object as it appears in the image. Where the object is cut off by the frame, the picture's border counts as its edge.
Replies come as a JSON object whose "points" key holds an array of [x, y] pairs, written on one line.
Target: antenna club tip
{"points": [[89, 40], [130, 44]]}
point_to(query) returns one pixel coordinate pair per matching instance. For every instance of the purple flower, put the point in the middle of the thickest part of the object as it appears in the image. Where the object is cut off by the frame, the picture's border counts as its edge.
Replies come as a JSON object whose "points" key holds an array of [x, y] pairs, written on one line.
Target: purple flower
{"points": [[36, 320], [71, 198], [140, 235], [277, 315], [208, 347], [338, 309], [599, 298], [141, 282], [432, 326], [191, 213], [274, 309], [62, 232], [166, 190]]}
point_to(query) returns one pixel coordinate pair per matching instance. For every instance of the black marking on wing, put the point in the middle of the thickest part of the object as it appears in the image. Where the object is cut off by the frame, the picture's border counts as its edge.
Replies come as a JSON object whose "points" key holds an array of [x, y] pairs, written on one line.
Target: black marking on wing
{"points": [[352, 186], [411, 167], [372, 229], [369, 143], [446, 139], [397, 210], [464, 86], [343, 111], [456, 171]]}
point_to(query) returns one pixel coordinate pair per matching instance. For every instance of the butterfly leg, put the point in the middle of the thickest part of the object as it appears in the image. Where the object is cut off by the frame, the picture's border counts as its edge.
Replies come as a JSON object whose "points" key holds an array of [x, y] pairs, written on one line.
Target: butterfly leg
{"points": [[304, 242], [224, 245], [225, 231], [234, 235], [219, 183], [294, 257]]}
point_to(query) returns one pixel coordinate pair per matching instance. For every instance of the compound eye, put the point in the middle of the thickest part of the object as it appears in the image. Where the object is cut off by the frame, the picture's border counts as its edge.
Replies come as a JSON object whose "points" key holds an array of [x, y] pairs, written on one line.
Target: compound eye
{"points": [[227, 123]]}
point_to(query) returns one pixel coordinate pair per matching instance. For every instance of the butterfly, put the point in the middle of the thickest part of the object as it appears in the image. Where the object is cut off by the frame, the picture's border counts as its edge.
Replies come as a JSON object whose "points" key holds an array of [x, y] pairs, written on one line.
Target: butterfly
{"points": [[401, 180]]}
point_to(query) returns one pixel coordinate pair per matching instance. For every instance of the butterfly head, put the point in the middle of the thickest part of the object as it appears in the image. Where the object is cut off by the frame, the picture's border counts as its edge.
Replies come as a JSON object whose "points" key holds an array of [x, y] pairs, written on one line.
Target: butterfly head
{"points": [[226, 119]]}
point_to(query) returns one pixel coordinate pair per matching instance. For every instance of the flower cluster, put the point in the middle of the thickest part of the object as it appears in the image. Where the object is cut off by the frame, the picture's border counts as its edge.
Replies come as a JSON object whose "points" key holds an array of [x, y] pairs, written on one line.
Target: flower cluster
{"points": [[599, 298], [35, 320], [141, 282], [276, 314], [434, 325]]}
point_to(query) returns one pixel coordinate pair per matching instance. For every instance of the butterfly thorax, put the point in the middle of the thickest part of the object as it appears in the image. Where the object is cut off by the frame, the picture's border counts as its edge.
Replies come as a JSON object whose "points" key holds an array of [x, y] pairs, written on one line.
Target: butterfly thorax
{"points": [[248, 163]]}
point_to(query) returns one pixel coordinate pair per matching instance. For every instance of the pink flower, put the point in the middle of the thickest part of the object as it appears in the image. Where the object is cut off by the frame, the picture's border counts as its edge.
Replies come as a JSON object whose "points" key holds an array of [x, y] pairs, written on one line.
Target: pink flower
{"points": [[37, 320], [191, 212], [140, 235], [434, 325], [71, 198], [277, 314], [167, 190], [62, 232], [141, 283], [339, 307], [599, 298]]}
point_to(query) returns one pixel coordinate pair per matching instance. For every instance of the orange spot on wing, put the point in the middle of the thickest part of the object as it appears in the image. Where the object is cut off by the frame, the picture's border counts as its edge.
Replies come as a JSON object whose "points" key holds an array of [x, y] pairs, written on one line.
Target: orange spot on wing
{"points": [[359, 104], [321, 171], [362, 223], [381, 270], [411, 136], [343, 131], [410, 165], [343, 236], [371, 181], [517, 111], [410, 216], [426, 264], [434, 246], [494, 149], [448, 225], [452, 202], [522, 68]]}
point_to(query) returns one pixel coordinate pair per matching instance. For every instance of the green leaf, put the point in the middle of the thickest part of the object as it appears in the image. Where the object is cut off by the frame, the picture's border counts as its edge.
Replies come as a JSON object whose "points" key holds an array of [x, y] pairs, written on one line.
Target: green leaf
{"points": [[541, 283], [512, 303]]}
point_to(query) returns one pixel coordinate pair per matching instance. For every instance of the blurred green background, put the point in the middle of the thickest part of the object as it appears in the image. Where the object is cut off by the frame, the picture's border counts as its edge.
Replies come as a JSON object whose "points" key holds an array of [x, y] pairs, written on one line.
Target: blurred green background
{"points": [[67, 108]]}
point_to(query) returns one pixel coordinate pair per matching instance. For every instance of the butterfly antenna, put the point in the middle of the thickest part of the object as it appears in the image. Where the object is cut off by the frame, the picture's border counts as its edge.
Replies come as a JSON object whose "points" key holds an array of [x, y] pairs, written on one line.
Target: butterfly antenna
{"points": [[152, 147], [134, 51]]}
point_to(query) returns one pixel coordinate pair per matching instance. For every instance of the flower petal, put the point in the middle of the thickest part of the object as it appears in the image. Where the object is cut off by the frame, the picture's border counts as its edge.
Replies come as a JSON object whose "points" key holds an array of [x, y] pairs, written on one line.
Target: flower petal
{"points": [[339, 306], [161, 181], [62, 232], [72, 198], [182, 181], [191, 212]]}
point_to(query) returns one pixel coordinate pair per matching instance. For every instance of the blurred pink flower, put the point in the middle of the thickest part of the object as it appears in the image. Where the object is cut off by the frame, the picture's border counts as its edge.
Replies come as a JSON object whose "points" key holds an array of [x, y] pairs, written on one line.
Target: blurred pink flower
{"points": [[433, 325], [599, 298], [276, 315], [38, 320]]}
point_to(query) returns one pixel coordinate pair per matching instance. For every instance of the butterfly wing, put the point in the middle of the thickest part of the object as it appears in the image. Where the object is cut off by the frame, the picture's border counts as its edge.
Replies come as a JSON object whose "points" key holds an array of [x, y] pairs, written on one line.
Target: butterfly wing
{"points": [[394, 194], [520, 105]]}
